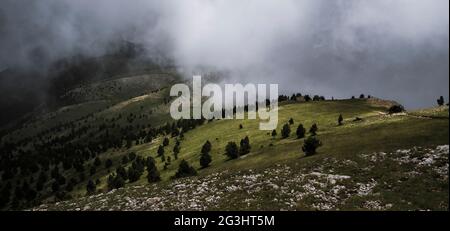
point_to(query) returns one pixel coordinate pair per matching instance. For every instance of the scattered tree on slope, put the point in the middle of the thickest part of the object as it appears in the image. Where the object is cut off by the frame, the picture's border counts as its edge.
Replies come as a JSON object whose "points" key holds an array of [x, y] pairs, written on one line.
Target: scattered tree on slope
{"points": [[185, 170], [310, 145]]}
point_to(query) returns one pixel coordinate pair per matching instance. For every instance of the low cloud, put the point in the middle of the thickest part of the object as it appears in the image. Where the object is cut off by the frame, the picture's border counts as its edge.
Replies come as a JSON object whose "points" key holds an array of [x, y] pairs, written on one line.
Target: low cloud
{"points": [[392, 49]]}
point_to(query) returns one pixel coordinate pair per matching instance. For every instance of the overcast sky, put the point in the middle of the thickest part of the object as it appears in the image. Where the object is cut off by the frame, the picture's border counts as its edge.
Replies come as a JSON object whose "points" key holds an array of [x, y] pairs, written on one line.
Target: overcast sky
{"points": [[395, 49]]}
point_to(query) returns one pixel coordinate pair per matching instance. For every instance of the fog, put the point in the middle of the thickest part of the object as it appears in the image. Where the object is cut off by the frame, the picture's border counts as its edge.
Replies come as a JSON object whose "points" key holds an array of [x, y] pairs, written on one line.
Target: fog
{"points": [[395, 49]]}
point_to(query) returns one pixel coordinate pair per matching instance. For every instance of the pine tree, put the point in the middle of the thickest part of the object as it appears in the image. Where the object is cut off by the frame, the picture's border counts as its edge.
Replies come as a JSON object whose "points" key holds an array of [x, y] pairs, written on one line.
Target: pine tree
{"points": [[122, 173], [313, 130], [231, 150], [440, 101], [244, 146], [293, 97], [206, 148], [150, 162], [307, 98], [152, 171], [136, 170], [310, 145], [205, 160], [165, 141], [396, 109], [160, 150], [340, 119], [300, 131], [115, 182], [205, 157], [185, 170], [285, 131], [176, 151], [291, 121], [316, 98], [91, 187]]}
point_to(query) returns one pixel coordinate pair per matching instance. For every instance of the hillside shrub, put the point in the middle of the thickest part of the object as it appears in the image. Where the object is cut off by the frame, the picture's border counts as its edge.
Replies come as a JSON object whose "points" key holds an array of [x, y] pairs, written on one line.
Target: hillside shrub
{"points": [[185, 170], [310, 145]]}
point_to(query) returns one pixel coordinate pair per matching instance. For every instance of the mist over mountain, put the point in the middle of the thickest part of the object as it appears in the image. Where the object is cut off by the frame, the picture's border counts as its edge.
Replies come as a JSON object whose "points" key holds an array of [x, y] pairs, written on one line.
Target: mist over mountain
{"points": [[392, 49]]}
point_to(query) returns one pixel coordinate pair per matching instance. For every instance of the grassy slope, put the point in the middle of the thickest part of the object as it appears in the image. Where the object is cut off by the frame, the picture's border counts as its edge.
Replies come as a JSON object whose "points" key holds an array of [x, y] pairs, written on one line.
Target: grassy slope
{"points": [[121, 88], [377, 132], [110, 105]]}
